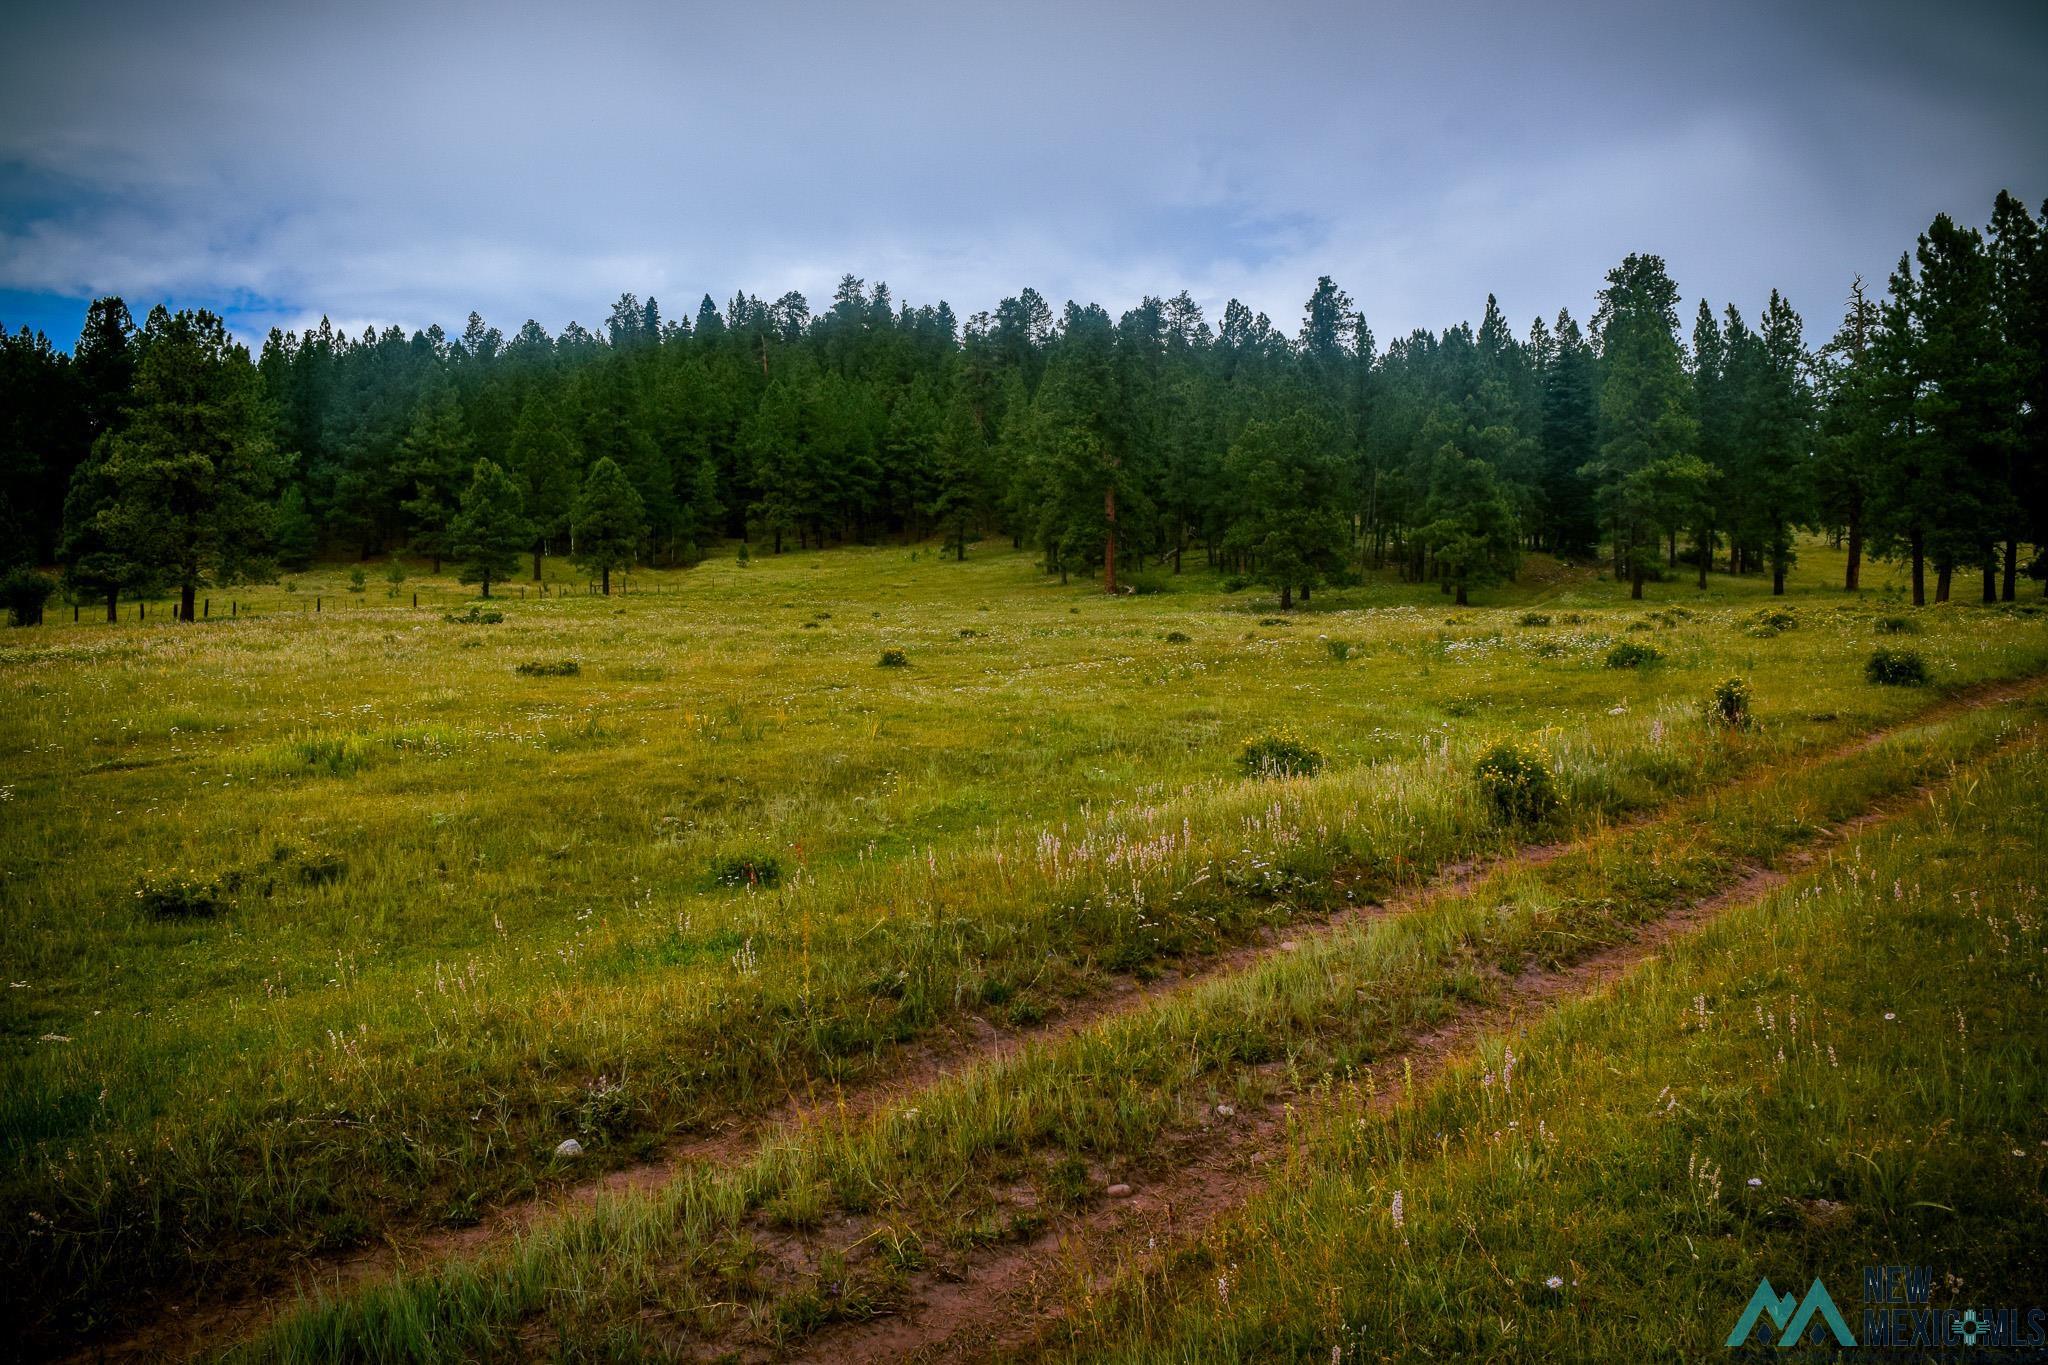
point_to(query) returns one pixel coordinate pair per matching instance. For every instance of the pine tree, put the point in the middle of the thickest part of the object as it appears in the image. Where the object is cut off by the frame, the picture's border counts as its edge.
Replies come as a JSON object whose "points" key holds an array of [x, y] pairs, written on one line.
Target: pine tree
{"points": [[294, 534], [1287, 489], [1644, 416], [1849, 451], [189, 473], [545, 460], [434, 460], [490, 531], [610, 520], [1471, 530]]}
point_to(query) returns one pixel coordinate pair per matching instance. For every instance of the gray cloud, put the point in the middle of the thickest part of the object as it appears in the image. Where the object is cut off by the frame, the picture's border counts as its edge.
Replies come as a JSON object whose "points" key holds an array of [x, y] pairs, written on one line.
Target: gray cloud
{"points": [[410, 162]]}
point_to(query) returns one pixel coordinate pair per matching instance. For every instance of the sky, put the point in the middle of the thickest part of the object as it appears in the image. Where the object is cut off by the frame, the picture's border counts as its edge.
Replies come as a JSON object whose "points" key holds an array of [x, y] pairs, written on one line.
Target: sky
{"points": [[409, 163]]}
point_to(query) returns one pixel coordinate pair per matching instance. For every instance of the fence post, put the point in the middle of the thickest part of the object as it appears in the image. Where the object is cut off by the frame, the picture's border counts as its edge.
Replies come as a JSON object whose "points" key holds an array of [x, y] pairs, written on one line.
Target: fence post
{"points": [[235, 607], [142, 611], [74, 613], [316, 605]]}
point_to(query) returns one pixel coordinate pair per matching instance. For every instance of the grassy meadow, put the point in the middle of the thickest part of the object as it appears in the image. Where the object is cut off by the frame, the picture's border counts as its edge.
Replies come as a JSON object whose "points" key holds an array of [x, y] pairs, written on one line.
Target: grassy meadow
{"points": [[324, 928]]}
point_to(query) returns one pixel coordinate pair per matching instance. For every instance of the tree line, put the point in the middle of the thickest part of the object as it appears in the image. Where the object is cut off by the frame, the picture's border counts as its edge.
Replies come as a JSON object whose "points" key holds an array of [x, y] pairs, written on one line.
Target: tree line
{"points": [[166, 456]]}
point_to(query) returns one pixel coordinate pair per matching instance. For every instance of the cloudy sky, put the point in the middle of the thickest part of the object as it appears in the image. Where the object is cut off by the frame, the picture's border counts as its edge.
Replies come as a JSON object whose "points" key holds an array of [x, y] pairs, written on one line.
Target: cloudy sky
{"points": [[410, 162]]}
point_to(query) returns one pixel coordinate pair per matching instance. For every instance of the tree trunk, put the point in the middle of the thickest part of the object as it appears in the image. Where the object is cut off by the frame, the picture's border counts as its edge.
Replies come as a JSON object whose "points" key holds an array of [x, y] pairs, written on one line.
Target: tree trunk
{"points": [[1461, 594], [1918, 547], [1286, 597], [1109, 539], [186, 600], [1990, 582], [1942, 574], [113, 601], [1671, 562], [1777, 580], [2012, 567], [1854, 580], [487, 586], [1706, 548], [607, 581], [1304, 594]]}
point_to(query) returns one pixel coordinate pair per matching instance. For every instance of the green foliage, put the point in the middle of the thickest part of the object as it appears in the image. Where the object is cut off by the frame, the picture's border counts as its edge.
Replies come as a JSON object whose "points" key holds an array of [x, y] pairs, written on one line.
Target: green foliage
{"points": [[181, 896], [1533, 618], [762, 870], [559, 668], [1896, 668], [358, 581], [1633, 654], [893, 658], [1730, 704], [1897, 625], [1177, 637], [1340, 650], [24, 591], [490, 533], [474, 616], [1515, 782], [1281, 754], [611, 518]]}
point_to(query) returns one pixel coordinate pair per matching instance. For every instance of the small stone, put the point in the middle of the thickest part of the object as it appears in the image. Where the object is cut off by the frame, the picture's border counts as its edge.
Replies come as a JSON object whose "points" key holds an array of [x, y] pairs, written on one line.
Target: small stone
{"points": [[1224, 1111], [1288, 945], [1119, 1191], [569, 1147]]}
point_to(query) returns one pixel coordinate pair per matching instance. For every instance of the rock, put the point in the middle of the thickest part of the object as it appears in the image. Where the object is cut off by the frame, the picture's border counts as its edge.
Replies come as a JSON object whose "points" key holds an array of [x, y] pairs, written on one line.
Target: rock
{"points": [[1224, 1111], [1119, 1191], [569, 1147]]}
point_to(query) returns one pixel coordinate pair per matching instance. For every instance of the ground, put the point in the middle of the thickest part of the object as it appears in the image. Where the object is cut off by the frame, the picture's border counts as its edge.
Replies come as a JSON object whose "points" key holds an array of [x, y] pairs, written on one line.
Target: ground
{"points": [[861, 985]]}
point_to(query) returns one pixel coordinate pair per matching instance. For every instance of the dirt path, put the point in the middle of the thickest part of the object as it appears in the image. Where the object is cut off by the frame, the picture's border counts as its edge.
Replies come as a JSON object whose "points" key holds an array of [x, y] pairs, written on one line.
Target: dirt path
{"points": [[1008, 1302], [181, 1329]]}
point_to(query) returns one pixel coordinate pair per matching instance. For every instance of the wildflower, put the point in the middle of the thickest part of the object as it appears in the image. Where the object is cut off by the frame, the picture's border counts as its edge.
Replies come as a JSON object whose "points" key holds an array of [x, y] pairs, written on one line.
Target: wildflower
{"points": [[1399, 1211], [1555, 1282], [1889, 1015], [1755, 1182]]}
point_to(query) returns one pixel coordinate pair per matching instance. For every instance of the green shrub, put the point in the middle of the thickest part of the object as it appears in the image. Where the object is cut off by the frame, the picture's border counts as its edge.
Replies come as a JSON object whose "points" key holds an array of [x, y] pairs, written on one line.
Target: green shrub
{"points": [[1897, 625], [1178, 637], [1516, 782], [747, 869], [893, 658], [560, 668], [1770, 621], [1279, 755], [474, 616], [357, 580], [1896, 668], [25, 591], [1340, 650], [1535, 618], [1274, 621], [180, 895], [1632, 654], [1730, 704]]}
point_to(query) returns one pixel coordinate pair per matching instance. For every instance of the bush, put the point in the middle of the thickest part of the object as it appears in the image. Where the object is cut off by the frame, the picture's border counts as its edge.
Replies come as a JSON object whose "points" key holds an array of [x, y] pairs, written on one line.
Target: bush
{"points": [[1279, 755], [1535, 618], [1896, 668], [1897, 625], [25, 591], [893, 658], [180, 895], [1516, 782], [1631, 654], [747, 869], [1730, 704], [561, 668], [474, 616], [357, 580], [1769, 622], [1340, 650], [1178, 637]]}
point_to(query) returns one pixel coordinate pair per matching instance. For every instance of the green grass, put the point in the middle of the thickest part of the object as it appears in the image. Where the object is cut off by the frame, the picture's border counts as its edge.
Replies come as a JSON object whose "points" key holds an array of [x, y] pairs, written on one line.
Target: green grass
{"points": [[1851, 1073], [469, 911], [650, 1274]]}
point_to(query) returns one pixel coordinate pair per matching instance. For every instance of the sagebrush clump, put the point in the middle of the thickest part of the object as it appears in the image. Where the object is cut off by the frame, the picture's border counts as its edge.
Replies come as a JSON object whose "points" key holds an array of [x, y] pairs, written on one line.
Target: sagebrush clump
{"points": [[1515, 780], [893, 658], [1279, 755], [1896, 668]]}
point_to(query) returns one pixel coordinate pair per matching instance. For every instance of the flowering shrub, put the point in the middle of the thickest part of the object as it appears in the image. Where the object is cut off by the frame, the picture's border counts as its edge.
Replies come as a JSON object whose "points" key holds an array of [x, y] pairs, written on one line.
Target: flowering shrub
{"points": [[1896, 668], [1280, 755], [1730, 704], [1516, 781]]}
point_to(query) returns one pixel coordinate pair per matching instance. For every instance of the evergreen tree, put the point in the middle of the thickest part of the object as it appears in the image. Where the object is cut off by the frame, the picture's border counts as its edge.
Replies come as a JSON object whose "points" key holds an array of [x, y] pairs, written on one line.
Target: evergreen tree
{"points": [[188, 474], [434, 459], [1644, 416], [1287, 484], [610, 520], [294, 534], [1471, 530], [544, 459], [490, 532], [1850, 445]]}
